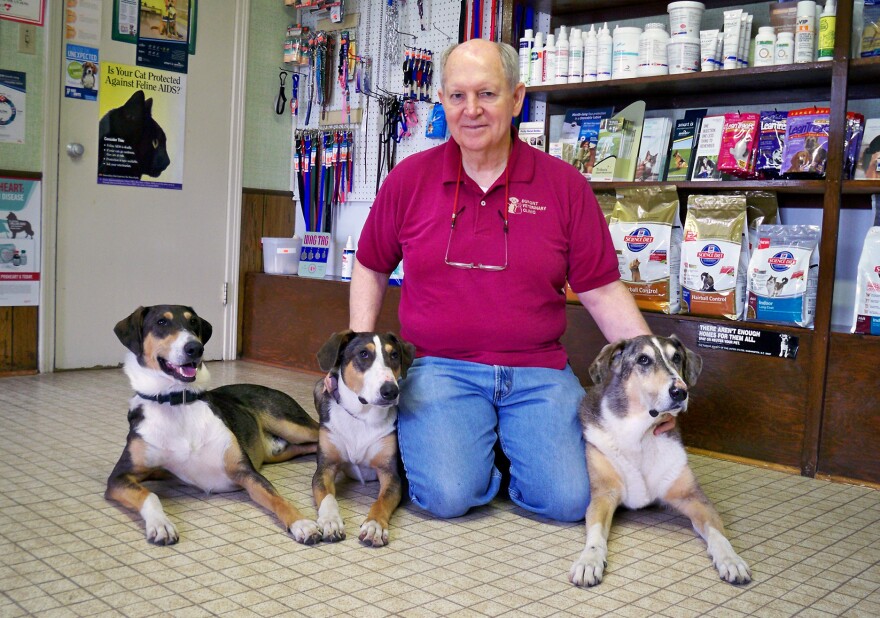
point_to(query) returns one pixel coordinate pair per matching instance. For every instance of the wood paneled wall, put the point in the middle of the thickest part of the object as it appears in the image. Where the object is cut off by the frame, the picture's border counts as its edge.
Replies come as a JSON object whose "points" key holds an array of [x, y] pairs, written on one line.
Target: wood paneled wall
{"points": [[18, 340]]}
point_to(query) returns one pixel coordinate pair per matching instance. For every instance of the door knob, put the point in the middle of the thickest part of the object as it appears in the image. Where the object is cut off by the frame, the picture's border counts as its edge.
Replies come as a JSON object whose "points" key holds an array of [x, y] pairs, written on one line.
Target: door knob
{"points": [[75, 151]]}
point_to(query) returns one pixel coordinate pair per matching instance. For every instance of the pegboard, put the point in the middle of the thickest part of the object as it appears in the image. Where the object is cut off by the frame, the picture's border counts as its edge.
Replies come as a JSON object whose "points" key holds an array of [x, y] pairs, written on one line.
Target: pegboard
{"points": [[376, 39]]}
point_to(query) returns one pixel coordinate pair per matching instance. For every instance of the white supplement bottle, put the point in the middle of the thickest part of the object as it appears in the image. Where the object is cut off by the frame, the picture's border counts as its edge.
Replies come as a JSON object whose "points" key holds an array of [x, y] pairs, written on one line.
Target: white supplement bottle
{"points": [[805, 31], [591, 45], [784, 49], [347, 260], [576, 57], [537, 77], [653, 59], [765, 44], [562, 49], [625, 57], [525, 57], [603, 54], [550, 60]]}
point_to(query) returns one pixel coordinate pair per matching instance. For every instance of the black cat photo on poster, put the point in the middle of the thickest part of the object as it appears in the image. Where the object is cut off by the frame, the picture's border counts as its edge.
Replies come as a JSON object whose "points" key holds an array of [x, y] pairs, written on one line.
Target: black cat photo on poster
{"points": [[141, 130]]}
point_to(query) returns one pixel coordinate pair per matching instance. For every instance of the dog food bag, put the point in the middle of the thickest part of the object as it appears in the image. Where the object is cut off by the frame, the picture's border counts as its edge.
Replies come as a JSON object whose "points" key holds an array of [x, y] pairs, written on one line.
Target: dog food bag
{"points": [[761, 207], [866, 317], [739, 140], [607, 200], [714, 256], [784, 275], [806, 143], [771, 139], [645, 226]]}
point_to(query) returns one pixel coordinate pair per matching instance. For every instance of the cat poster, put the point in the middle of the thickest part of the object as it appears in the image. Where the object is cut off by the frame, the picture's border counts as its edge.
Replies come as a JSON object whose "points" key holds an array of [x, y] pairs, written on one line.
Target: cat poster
{"points": [[141, 128]]}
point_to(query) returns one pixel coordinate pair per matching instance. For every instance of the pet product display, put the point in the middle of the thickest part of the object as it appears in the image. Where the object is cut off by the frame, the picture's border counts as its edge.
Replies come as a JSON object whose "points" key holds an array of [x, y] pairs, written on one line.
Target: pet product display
{"points": [[806, 143], [783, 275], [765, 44], [714, 256], [805, 33], [866, 316], [683, 54], [646, 231], [625, 52], [771, 139], [653, 54], [855, 130], [783, 51], [685, 18], [739, 141]]}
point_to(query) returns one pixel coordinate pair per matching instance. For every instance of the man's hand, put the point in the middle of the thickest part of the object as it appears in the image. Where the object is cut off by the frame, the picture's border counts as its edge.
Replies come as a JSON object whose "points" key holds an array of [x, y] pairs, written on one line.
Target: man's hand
{"points": [[665, 426]]}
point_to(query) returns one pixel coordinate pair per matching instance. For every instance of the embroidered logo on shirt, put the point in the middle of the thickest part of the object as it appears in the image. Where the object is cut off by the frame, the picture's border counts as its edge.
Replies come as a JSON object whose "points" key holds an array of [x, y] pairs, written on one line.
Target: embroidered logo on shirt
{"points": [[517, 206]]}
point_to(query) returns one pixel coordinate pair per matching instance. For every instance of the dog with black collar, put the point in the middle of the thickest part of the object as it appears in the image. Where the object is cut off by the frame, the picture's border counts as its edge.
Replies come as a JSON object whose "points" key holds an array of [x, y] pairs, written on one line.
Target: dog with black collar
{"points": [[357, 407], [216, 440]]}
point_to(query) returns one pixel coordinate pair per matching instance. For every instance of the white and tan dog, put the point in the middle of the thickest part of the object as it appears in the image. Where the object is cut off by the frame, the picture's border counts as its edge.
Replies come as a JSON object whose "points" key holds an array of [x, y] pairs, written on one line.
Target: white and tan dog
{"points": [[639, 384]]}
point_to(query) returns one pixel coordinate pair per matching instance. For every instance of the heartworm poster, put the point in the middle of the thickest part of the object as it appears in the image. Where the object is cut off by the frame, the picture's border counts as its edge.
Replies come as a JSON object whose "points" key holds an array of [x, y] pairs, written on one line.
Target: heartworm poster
{"points": [[142, 126]]}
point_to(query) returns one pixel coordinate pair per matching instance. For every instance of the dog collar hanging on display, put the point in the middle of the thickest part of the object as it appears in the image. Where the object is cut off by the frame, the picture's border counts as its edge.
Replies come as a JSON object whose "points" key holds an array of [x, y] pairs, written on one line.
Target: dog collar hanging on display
{"points": [[175, 399]]}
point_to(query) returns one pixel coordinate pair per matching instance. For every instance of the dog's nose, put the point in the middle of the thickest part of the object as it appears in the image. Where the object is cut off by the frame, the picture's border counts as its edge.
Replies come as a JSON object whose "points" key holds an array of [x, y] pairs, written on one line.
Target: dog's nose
{"points": [[389, 391], [677, 394], [193, 349]]}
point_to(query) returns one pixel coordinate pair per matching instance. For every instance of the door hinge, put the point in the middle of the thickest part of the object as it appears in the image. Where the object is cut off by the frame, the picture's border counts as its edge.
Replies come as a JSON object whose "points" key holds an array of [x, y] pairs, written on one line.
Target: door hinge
{"points": [[224, 294]]}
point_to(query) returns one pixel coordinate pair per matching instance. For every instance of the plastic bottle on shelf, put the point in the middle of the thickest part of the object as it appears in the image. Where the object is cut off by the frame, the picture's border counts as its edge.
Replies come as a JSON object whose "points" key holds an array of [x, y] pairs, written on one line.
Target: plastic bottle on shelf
{"points": [[591, 44], [784, 48], [576, 57], [537, 60], [563, 47], [550, 60], [347, 260], [653, 56], [805, 34], [604, 49], [525, 56], [827, 31], [765, 44]]}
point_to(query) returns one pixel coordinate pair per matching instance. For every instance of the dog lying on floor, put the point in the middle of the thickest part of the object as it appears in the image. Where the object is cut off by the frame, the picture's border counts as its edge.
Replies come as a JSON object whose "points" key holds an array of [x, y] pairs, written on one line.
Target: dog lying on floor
{"points": [[639, 384], [357, 405], [216, 440]]}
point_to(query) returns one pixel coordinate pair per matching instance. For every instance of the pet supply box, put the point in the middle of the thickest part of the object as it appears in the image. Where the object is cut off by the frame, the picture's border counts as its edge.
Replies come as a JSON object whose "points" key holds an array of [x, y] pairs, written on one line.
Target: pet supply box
{"points": [[281, 255]]}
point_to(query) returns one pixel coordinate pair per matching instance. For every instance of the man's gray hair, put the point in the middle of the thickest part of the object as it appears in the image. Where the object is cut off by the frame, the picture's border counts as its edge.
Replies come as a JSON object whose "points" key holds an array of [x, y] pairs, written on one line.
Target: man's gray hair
{"points": [[509, 62]]}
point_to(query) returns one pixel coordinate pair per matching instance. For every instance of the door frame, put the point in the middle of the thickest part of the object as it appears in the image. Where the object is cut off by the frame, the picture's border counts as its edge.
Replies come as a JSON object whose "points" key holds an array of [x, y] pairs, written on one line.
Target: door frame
{"points": [[53, 150]]}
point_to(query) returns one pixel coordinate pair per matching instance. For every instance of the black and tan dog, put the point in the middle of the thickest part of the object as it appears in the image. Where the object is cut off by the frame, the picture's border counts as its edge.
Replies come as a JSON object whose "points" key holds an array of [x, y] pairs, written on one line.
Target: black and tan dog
{"points": [[357, 405], [216, 440], [639, 384]]}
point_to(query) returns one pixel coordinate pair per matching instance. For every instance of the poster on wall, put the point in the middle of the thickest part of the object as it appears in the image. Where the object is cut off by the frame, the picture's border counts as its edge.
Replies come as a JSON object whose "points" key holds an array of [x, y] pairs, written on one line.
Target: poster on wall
{"points": [[125, 22], [25, 11], [142, 126], [82, 22], [163, 35], [12, 98], [81, 74], [19, 242]]}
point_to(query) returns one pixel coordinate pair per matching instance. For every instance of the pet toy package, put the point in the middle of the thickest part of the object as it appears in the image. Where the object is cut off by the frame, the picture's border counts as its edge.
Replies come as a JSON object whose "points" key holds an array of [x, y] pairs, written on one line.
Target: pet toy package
{"points": [[855, 129], [784, 274], [771, 140], [714, 256], [866, 317], [646, 230], [806, 143], [739, 141]]}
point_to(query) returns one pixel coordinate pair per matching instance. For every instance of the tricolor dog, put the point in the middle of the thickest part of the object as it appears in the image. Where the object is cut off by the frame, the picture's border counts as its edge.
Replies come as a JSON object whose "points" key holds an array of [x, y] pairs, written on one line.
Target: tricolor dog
{"points": [[216, 440], [639, 384], [357, 406]]}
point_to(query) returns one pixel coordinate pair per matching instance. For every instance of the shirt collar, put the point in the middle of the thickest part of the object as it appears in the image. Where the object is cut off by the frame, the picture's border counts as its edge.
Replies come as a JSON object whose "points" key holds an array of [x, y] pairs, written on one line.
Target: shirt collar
{"points": [[521, 161]]}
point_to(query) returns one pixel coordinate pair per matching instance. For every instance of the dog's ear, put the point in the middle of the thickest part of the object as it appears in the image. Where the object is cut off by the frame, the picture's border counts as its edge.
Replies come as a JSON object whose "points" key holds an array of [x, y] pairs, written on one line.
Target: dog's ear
{"points": [[607, 359], [205, 328], [130, 330], [329, 356], [693, 363], [407, 353]]}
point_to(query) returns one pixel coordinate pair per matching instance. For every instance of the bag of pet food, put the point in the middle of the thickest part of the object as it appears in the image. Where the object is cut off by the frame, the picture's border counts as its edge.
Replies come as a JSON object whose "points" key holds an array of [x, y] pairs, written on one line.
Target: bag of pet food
{"points": [[784, 275], [855, 128], [866, 317], [771, 141], [714, 256], [607, 200], [761, 207], [645, 227], [739, 139], [805, 154]]}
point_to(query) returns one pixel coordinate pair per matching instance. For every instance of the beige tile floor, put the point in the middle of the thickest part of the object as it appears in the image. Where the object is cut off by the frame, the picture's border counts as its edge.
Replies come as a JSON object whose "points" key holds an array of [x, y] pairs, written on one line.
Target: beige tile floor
{"points": [[813, 545]]}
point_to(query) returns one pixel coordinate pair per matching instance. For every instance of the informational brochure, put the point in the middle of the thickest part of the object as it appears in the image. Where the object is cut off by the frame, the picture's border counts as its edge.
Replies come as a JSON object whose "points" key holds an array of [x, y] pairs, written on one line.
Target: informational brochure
{"points": [[20, 232]]}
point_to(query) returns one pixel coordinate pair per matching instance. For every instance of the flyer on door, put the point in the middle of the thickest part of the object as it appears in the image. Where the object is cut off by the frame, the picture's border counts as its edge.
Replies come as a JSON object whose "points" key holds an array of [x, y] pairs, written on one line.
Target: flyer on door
{"points": [[19, 242], [142, 127]]}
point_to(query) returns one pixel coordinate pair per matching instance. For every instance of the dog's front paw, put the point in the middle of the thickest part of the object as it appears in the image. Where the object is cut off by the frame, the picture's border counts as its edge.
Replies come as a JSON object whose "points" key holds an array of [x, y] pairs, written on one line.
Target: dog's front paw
{"points": [[333, 527], [373, 534], [588, 569], [305, 531], [733, 569], [160, 531]]}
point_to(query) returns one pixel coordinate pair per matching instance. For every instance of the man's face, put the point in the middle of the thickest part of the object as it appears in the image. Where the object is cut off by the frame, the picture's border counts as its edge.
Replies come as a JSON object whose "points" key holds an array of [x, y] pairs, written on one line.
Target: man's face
{"points": [[477, 99]]}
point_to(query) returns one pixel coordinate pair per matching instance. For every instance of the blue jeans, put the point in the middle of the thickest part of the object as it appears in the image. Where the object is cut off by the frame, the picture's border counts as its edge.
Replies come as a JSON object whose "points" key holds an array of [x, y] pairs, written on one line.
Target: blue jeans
{"points": [[452, 412]]}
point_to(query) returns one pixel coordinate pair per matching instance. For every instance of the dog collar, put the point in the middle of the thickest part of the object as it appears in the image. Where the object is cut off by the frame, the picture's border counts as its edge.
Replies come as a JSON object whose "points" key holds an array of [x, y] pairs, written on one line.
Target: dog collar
{"points": [[175, 399]]}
